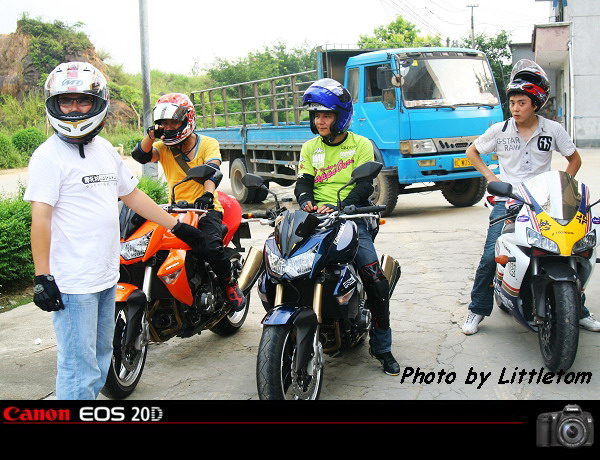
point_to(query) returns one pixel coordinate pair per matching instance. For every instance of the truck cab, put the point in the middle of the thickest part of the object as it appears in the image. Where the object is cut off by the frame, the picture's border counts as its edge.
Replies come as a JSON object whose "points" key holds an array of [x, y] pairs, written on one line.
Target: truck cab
{"points": [[420, 107]]}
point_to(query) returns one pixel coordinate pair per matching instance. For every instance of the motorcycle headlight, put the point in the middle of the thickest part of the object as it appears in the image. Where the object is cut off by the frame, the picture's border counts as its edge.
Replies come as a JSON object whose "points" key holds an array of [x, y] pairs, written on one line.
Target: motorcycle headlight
{"points": [[541, 242], [135, 249], [585, 243], [294, 266]]}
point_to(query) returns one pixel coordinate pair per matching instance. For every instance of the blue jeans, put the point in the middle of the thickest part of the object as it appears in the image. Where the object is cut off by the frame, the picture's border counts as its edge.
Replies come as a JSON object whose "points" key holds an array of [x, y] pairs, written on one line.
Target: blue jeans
{"points": [[84, 335], [482, 294], [381, 339]]}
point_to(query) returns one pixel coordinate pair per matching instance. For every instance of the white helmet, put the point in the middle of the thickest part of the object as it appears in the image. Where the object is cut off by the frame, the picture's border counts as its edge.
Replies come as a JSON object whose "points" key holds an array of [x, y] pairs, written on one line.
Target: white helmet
{"points": [[76, 78]]}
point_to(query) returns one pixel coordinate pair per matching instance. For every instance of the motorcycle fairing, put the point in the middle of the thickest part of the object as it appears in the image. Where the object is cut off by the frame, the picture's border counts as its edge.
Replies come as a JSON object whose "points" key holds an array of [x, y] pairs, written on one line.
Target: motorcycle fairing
{"points": [[563, 209], [348, 280], [174, 265], [345, 243], [293, 229]]}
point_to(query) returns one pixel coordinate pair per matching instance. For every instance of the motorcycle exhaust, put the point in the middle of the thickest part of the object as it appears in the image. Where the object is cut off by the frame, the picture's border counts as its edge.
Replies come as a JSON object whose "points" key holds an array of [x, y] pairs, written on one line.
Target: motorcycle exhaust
{"points": [[251, 269], [391, 269]]}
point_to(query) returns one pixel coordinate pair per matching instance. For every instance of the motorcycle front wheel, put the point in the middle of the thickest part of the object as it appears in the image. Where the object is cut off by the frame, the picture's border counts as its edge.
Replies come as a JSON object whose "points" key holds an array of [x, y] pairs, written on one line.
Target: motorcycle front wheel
{"points": [[559, 334], [127, 361], [275, 375]]}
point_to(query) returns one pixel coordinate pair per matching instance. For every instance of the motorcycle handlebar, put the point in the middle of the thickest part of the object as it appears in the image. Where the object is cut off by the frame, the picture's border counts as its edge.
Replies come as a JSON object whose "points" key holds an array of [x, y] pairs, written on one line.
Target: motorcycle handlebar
{"points": [[365, 209], [255, 215]]}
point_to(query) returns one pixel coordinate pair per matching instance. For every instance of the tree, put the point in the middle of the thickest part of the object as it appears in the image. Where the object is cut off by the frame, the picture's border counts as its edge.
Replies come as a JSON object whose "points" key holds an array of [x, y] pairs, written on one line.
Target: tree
{"points": [[498, 52], [270, 62], [398, 33]]}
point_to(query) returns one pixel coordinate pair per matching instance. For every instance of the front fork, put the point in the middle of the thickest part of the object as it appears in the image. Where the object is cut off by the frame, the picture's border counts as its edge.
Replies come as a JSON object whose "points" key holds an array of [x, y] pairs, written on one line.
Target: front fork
{"points": [[307, 323], [544, 275]]}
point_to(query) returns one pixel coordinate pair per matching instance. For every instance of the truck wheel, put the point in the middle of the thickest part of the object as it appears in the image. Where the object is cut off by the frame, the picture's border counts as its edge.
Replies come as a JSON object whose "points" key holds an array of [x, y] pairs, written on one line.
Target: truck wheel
{"points": [[386, 192], [465, 192], [238, 170]]}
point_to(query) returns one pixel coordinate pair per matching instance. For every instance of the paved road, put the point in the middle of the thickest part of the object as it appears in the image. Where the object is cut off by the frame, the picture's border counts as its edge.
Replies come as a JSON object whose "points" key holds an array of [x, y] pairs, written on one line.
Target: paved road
{"points": [[438, 247]]}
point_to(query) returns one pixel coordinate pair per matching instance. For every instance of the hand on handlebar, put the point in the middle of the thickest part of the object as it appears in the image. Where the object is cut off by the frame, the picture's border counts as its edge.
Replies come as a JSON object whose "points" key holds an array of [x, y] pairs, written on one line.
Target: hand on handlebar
{"points": [[326, 208], [309, 207]]}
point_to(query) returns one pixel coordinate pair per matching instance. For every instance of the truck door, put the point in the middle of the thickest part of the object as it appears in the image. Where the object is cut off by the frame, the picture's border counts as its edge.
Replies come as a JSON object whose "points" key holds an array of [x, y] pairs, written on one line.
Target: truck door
{"points": [[376, 112]]}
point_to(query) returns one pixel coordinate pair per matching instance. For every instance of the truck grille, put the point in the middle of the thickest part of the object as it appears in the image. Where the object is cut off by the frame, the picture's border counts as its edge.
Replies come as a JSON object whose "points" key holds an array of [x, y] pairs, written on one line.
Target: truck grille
{"points": [[453, 144]]}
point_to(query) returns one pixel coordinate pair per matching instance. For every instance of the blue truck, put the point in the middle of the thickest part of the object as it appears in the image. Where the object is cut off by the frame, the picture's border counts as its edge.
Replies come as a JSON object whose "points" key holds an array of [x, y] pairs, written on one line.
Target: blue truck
{"points": [[420, 107]]}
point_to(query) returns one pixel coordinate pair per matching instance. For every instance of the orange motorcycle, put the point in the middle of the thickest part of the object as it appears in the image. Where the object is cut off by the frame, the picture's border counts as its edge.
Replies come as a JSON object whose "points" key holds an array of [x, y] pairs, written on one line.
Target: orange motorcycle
{"points": [[166, 290]]}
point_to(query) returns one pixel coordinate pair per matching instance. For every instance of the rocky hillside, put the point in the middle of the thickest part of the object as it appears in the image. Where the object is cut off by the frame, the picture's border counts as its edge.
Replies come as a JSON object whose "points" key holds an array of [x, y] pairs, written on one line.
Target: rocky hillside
{"points": [[19, 75]]}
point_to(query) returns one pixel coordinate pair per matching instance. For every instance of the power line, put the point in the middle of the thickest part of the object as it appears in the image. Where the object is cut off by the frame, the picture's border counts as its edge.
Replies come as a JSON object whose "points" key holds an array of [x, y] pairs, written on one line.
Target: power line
{"points": [[406, 9]]}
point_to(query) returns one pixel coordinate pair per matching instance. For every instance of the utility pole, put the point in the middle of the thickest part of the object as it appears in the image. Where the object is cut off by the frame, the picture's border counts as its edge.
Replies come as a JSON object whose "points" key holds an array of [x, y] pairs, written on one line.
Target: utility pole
{"points": [[149, 169], [472, 25]]}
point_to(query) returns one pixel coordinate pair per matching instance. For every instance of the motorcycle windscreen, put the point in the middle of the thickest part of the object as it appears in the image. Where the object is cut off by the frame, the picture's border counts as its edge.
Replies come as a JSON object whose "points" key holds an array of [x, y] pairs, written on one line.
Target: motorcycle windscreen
{"points": [[292, 228], [557, 193]]}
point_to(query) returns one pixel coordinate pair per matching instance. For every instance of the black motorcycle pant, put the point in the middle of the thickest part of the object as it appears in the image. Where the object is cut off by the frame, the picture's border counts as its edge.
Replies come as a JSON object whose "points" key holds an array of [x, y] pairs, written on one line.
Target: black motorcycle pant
{"points": [[377, 288], [212, 244]]}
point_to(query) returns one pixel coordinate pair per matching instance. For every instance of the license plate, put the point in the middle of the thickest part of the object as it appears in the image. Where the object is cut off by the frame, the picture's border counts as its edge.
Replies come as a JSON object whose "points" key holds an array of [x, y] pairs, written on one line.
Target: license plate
{"points": [[462, 163]]}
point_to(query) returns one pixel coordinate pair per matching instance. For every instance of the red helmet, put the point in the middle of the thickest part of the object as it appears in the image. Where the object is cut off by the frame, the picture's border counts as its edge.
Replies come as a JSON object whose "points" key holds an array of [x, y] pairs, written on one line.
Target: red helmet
{"points": [[176, 106], [530, 79]]}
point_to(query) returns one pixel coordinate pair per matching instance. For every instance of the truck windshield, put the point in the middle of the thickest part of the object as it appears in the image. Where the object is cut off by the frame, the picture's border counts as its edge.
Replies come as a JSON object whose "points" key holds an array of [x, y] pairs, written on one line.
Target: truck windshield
{"points": [[448, 82]]}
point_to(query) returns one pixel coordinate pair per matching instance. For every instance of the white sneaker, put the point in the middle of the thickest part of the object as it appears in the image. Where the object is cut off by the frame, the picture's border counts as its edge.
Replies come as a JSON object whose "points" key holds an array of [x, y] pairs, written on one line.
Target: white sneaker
{"points": [[590, 323], [472, 323]]}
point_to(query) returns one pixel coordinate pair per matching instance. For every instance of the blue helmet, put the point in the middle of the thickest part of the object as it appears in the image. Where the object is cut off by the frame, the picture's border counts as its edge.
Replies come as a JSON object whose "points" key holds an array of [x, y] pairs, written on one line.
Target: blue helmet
{"points": [[328, 95]]}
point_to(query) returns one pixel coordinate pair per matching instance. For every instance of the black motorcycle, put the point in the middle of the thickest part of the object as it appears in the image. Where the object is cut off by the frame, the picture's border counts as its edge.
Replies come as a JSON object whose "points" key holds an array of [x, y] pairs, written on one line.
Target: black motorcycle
{"points": [[312, 292]]}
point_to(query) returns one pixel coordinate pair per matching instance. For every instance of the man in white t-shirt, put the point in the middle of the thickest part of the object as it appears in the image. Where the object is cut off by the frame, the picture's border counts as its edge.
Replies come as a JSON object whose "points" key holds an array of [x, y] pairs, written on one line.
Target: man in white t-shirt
{"points": [[75, 181], [524, 145]]}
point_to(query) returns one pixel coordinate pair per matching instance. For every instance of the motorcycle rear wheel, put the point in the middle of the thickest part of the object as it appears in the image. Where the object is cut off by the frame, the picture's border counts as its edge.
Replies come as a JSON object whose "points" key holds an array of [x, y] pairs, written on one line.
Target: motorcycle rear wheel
{"points": [[559, 334], [274, 367], [232, 322], [127, 362]]}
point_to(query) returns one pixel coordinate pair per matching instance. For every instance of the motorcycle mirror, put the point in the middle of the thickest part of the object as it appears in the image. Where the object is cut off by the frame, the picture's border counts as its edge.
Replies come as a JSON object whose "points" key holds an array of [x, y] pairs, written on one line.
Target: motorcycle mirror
{"points": [[505, 189], [500, 188], [368, 170], [593, 204], [199, 173], [252, 180]]}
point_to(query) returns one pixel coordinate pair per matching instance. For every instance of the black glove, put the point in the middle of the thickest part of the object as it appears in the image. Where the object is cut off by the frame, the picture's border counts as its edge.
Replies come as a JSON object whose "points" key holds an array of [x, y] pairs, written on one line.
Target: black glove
{"points": [[206, 201], [46, 294], [188, 234]]}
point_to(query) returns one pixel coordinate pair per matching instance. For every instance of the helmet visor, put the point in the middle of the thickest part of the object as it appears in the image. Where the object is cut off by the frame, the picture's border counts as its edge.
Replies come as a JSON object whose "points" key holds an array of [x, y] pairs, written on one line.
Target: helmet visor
{"points": [[169, 111]]}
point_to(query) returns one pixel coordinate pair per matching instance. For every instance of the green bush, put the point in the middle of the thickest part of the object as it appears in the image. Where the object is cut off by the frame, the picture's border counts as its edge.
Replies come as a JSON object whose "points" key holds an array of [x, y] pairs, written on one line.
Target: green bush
{"points": [[126, 137], [16, 263], [157, 189], [27, 112], [27, 140], [9, 156]]}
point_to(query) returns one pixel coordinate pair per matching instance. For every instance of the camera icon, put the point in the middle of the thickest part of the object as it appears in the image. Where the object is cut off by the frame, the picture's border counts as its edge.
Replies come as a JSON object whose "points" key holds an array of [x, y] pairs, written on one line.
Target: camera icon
{"points": [[570, 428]]}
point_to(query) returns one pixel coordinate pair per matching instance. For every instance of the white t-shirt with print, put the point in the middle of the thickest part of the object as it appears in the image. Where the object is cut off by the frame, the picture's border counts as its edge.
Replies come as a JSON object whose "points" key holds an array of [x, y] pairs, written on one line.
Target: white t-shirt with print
{"points": [[519, 160], [84, 192]]}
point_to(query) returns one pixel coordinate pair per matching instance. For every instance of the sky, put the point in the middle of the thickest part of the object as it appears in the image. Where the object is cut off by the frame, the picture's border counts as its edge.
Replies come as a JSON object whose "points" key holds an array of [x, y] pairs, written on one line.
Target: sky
{"points": [[187, 33]]}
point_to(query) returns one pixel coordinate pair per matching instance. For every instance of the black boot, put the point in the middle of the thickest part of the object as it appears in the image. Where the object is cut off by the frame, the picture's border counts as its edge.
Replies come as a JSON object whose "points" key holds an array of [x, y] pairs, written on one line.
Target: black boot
{"points": [[390, 365], [377, 289]]}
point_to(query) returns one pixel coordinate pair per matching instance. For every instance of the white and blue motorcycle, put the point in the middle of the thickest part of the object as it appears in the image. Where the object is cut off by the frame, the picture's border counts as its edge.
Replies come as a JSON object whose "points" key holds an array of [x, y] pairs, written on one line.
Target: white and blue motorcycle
{"points": [[545, 258]]}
